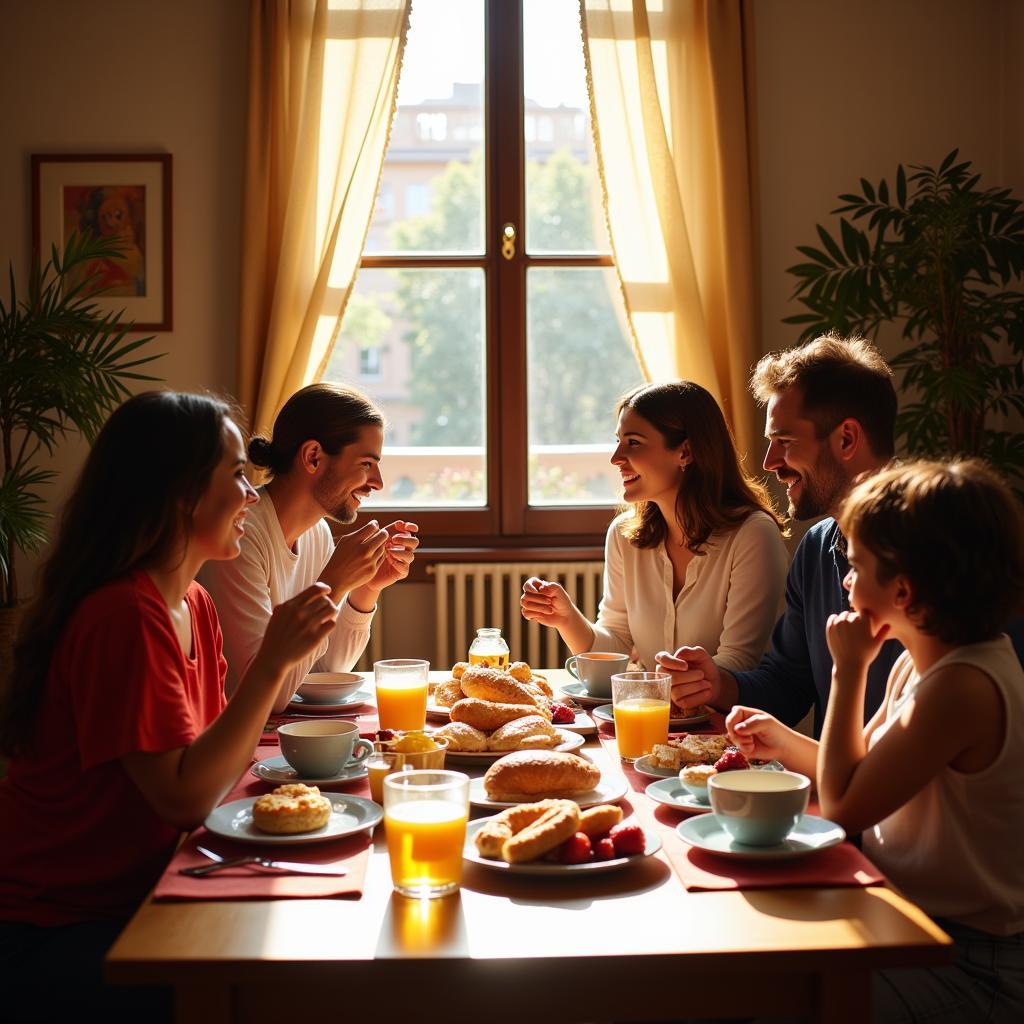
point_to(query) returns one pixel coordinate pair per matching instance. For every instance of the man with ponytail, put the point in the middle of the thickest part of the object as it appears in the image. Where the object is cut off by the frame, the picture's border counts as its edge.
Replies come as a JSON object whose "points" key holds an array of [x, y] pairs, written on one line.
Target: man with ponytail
{"points": [[323, 459]]}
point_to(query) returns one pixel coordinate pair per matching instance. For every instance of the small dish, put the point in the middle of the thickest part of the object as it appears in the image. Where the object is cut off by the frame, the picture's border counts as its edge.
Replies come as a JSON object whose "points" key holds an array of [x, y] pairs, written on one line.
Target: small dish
{"points": [[607, 791], [604, 713], [579, 693], [545, 869], [278, 771], [645, 766], [328, 687], [670, 792], [810, 835], [354, 700], [349, 814]]}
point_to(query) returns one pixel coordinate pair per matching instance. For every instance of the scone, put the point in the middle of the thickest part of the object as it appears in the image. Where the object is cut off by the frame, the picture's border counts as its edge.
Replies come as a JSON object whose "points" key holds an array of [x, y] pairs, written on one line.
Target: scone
{"points": [[461, 736], [531, 732], [292, 808]]}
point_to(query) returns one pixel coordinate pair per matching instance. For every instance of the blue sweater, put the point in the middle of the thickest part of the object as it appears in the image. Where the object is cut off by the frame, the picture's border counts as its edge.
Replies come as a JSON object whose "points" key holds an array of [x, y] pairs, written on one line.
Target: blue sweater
{"points": [[796, 673]]}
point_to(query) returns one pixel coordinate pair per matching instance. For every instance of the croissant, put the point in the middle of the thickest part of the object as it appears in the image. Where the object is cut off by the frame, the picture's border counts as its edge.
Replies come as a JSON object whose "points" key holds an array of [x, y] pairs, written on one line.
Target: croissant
{"points": [[539, 773]]}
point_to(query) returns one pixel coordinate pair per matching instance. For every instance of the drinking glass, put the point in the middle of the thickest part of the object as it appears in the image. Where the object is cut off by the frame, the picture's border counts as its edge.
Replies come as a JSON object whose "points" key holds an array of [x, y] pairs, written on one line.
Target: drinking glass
{"points": [[425, 814], [401, 693], [640, 702]]}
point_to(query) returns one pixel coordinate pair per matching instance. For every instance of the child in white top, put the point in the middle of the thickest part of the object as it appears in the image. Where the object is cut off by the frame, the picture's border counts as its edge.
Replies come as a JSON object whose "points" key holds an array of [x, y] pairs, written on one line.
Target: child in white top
{"points": [[933, 780]]}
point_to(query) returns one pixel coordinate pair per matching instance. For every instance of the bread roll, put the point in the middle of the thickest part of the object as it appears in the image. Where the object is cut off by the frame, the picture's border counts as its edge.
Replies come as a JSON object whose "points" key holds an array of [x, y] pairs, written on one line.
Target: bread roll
{"points": [[596, 821], [531, 732], [461, 736], [551, 829], [493, 684], [448, 693], [535, 773], [290, 809], [486, 715]]}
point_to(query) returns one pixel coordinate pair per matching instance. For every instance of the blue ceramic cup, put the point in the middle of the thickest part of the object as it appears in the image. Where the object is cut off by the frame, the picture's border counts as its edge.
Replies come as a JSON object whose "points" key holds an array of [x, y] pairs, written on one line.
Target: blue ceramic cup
{"points": [[758, 808]]}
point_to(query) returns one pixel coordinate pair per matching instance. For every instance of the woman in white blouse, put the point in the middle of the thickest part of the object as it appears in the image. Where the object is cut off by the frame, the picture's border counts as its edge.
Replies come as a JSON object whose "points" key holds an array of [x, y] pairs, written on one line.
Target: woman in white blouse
{"points": [[697, 558]]}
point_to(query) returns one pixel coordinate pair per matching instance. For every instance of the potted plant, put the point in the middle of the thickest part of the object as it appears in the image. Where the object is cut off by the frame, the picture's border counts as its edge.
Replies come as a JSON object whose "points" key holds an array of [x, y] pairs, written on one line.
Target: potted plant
{"points": [[944, 257], [63, 367]]}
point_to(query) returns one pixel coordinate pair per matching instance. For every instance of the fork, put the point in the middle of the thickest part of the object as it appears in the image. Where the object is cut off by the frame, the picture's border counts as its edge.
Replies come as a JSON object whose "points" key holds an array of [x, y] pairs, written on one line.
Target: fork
{"points": [[255, 861]]}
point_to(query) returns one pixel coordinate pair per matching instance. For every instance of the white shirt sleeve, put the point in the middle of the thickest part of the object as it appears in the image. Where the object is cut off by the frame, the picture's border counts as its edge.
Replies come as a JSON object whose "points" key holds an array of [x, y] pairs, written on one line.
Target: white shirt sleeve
{"points": [[757, 576], [348, 640], [611, 631]]}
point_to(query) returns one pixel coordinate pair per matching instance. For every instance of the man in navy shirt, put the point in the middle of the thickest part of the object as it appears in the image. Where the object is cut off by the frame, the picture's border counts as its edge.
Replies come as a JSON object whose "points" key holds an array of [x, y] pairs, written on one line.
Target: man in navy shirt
{"points": [[831, 412]]}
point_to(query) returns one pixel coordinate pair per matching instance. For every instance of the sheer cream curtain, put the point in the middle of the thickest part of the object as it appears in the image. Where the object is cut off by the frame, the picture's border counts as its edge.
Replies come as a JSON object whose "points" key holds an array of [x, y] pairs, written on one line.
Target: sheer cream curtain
{"points": [[666, 82], [323, 79]]}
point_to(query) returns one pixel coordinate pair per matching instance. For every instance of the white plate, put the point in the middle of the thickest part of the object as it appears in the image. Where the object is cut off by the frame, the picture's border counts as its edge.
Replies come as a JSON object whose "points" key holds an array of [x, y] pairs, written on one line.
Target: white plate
{"points": [[607, 791], [578, 692], [810, 835], [570, 741], [583, 724], [604, 713], [545, 868], [278, 771], [645, 766], [354, 700], [671, 793], [349, 814]]}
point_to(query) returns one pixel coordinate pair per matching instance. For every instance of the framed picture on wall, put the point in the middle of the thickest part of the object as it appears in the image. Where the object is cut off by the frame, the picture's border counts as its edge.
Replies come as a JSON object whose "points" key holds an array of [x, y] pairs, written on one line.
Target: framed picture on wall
{"points": [[124, 197]]}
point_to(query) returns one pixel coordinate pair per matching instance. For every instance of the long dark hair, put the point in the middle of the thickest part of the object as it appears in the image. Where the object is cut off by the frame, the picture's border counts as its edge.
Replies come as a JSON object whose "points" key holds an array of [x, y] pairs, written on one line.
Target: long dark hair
{"points": [[331, 414], [131, 508], [714, 491]]}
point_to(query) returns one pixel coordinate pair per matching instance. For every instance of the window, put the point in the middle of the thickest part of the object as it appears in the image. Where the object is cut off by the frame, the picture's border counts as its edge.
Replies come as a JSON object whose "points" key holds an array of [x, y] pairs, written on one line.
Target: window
{"points": [[369, 361], [491, 283]]}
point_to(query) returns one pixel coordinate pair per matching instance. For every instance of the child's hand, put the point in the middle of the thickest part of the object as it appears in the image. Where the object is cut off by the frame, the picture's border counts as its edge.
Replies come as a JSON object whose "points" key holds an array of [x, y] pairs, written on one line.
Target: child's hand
{"points": [[757, 734], [852, 643]]}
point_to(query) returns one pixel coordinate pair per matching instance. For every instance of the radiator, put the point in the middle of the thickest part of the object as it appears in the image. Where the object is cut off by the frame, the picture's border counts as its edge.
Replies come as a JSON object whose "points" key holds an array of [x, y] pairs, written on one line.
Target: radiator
{"points": [[469, 596]]}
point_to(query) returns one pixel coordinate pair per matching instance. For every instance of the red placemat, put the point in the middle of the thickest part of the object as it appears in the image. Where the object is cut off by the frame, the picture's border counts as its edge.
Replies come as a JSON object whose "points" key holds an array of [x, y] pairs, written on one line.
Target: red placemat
{"points": [[700, 871]]}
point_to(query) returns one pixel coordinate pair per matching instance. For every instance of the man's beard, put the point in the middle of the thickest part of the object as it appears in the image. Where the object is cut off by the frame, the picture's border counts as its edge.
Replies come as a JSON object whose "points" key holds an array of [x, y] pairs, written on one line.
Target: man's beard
{"points": [[342, 511], [820, 489]]}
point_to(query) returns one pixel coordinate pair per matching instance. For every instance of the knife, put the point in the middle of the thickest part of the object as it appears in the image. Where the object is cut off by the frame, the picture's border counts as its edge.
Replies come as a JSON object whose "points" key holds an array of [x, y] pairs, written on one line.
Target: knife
{"points": [[290, 867]]}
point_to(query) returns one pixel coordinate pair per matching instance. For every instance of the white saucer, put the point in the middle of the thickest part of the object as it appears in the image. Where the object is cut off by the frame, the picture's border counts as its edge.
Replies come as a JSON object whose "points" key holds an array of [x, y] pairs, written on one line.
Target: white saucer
{"points": [[607, 791], [545, 868], [354, 700], [349, 814], [579, 693], [278, 770], [604, 713], [671, 793], [810, 835]]}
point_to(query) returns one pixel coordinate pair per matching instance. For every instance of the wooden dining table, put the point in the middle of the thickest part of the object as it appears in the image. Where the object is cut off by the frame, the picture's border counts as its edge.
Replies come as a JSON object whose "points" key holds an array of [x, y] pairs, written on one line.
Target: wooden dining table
{"points": [[627, 945]]}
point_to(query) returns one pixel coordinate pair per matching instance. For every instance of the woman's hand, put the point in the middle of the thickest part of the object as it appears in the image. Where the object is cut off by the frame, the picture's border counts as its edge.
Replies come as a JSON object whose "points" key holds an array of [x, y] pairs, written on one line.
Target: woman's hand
{"points": [[297, 627], [758, 734], [853, 644], [547, 603]]}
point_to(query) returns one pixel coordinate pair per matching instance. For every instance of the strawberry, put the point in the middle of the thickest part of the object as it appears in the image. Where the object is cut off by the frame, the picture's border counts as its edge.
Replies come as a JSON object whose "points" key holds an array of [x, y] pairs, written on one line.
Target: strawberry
{"points": [[731, 761], [576, 849], [386, 735], [628, 840], [562, 714], [604, 849]]}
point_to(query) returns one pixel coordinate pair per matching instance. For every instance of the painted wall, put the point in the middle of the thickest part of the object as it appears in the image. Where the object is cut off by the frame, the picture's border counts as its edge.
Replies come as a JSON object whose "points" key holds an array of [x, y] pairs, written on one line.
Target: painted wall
{"points": [[132, 76]]}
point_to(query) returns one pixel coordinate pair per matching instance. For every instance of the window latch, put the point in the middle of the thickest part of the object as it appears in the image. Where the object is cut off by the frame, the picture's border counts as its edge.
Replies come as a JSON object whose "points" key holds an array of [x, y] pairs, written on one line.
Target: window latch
{"points": [[508, 241]]}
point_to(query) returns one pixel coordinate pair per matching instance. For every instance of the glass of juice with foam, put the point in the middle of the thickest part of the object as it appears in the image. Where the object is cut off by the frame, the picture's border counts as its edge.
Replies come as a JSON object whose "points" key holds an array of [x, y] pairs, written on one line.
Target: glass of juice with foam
{"points": [[401, 693], [640, 702], [425, 814]]}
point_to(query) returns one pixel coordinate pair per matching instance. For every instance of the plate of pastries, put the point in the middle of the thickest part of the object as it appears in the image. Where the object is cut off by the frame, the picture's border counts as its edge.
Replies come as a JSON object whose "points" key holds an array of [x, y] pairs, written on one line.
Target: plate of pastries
{"points": [[527, 776], [493, 712], [293, 813], [557, 837], [666, 760]]}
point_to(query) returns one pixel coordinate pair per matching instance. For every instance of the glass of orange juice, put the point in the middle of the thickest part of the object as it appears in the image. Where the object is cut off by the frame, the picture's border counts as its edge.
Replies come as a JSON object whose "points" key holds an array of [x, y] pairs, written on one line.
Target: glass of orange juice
{"points": [[425, 814], [641, 702], [401, 693]]}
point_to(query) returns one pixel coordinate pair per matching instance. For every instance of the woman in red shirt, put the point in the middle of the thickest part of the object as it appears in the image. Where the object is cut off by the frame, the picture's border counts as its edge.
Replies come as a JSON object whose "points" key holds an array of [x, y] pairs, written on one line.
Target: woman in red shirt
{"points": [[115, 720]]}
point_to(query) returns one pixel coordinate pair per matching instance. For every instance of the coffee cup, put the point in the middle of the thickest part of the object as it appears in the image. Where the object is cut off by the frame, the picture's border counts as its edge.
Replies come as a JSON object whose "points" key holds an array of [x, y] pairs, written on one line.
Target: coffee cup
{"points": [[319, 750], [595, 669], [758, 808]]}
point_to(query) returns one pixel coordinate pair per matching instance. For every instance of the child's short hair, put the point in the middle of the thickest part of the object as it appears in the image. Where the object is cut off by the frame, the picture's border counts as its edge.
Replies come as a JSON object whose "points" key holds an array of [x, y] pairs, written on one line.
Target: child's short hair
{"points": [[956, 531]]}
